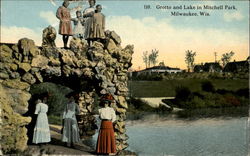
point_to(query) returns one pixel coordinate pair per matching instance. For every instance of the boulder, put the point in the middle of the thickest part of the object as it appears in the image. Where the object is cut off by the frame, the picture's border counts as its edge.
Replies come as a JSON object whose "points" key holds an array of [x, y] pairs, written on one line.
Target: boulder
{"points": [[4, 75], [111, 47], [39, 61], [16, 84], [5, 54], [52, 71], [68, 57], [39, 76], [26, 47], [27, 77], [54, 61], [25, 67], [122, 102], [49, 36]]}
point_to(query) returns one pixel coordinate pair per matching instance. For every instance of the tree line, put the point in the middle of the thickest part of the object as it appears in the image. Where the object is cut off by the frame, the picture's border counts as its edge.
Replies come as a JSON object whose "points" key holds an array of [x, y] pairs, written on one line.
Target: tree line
{"points": [[190, 56]]}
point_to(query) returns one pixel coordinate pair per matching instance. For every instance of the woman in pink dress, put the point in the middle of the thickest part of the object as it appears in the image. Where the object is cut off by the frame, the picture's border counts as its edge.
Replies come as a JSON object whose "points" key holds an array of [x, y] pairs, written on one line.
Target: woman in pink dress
{"points": [[65, 28]]}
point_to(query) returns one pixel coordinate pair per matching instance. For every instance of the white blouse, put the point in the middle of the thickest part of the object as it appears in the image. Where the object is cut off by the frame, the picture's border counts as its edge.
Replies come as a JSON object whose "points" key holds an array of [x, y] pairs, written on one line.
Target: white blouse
{"points": [[107, 113]]}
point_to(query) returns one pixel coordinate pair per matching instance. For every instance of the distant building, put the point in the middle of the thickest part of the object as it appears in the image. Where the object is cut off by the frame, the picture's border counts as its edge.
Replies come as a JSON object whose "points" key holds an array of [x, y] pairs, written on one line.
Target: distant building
{"points": [[237, 66], [212, 67], [198, 68], [208, 67], [159, 70]]}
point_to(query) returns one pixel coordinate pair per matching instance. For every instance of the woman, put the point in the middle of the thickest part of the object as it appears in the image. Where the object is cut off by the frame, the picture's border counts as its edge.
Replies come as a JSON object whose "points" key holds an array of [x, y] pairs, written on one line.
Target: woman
{"points": [[106, 139], [41, 130], [70, 126], [88, 15], [65, 29]]}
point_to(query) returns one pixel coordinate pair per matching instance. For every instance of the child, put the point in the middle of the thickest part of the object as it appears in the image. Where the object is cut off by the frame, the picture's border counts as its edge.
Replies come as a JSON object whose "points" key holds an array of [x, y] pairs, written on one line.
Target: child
{"points": [[98, 26], [79, 25]]}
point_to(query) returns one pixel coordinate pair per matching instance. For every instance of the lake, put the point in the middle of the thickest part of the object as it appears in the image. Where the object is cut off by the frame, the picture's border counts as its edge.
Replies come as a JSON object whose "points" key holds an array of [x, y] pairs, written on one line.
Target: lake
{"points": [[154, 134]]}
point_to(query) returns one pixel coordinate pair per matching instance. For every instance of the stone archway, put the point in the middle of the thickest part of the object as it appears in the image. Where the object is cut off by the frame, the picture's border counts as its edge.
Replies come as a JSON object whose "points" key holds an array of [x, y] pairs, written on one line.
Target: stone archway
{"points": [[103, 67]]}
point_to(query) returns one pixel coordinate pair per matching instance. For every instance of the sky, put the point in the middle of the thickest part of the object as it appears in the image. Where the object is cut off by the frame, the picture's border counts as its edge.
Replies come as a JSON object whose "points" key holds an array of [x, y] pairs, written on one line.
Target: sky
{"points": [[223, 31]]}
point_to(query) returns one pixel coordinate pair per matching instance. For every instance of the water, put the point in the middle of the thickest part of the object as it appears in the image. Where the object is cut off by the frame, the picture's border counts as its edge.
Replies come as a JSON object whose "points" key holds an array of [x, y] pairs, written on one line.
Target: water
{"points": [[157, 135]]}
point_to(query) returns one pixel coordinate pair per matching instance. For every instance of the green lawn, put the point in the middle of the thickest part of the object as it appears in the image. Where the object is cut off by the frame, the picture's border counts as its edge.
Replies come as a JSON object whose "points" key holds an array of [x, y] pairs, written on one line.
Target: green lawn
{"points": [[167, 87]]}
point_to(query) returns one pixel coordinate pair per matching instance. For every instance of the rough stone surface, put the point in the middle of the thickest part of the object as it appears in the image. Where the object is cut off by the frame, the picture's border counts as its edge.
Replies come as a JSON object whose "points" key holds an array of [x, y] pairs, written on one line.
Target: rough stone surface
{"points": [[16, 84], [102, 67], [27, 77], [24, 66], [13, 132], [39, 61]]}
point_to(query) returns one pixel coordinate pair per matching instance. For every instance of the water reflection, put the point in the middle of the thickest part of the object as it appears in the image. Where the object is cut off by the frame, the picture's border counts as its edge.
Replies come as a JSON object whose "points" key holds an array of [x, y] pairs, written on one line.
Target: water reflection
{"points": [[158, 135], [167, 134]]}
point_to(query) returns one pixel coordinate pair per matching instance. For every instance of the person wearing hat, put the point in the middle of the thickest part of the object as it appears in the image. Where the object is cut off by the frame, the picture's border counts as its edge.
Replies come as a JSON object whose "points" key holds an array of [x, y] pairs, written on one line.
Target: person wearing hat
{"points": [[70, 131], [106, 143]]}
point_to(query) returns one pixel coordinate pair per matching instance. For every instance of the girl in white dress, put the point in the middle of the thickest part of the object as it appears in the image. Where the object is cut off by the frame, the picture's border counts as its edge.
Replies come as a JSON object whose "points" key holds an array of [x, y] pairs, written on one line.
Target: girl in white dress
{"points": [[41, 130], [79, 28]]}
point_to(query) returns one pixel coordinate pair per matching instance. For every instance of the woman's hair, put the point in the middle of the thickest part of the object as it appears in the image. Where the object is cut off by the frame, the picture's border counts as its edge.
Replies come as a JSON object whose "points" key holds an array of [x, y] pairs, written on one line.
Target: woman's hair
{"points": [[78, 12], [64, 2], [98, 5], [103, 102], [92, 0]]}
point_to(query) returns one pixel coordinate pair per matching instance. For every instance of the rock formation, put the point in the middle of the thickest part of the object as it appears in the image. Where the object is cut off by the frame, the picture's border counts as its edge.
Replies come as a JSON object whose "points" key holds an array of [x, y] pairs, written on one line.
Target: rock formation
{"points": [[103, 67]]}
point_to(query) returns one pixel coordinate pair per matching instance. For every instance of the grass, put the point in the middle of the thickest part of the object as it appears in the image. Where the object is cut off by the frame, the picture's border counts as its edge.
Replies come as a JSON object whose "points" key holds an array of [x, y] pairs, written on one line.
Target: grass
{"points": [[167, 87]]}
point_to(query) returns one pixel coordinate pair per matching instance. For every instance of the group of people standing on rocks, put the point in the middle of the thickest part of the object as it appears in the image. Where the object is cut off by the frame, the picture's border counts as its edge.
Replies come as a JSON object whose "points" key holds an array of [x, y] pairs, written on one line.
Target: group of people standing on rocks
{"points": [[106, 143], [89, 25]]}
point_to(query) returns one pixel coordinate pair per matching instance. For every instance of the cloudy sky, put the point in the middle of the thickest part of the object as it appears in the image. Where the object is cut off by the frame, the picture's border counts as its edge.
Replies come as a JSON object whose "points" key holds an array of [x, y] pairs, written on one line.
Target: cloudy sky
{"points": [[223, 31]]}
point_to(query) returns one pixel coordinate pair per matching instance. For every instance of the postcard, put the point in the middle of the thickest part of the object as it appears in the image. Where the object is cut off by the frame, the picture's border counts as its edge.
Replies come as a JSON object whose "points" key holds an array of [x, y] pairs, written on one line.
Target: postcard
{"points": [[90, 77]]}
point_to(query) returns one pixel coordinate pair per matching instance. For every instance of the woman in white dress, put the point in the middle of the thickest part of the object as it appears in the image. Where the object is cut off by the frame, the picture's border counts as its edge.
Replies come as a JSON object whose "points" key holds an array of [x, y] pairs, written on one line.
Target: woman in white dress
{"points": [[41, 130]]}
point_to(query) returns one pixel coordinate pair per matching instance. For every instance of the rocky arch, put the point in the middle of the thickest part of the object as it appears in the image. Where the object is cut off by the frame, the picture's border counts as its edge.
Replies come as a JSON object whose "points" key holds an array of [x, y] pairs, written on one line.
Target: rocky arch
{"points": [[103, 66]]}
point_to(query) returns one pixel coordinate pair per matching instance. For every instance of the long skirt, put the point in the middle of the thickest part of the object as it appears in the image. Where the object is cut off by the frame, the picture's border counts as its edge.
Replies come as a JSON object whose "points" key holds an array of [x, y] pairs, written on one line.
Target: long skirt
{"points": [[70, 131], [106, 138], [41, 130]]}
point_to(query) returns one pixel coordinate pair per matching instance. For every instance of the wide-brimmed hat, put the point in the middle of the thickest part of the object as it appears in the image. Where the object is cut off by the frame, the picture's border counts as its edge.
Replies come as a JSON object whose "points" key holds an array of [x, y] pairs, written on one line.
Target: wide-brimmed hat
{"points": [[107, 97]]}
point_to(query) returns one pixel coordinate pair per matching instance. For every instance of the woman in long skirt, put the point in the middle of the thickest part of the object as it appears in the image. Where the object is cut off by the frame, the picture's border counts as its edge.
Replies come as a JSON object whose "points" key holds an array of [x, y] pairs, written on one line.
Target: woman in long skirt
{"points": [[41, 130], [70, 126], [106, 139]]}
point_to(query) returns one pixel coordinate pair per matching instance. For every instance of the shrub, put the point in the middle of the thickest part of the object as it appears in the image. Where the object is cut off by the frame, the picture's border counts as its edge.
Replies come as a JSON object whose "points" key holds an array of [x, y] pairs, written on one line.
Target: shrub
{"points": [[183, 93], [207, 86], [243, 92], [232, 100], [56, 101]]}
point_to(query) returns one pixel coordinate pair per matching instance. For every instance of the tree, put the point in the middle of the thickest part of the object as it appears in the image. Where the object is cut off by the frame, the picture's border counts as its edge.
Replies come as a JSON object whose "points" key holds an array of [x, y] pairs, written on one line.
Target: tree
{"points": [[162, 63], [145, 58], [189, 59], [225, 58], [154, 55], [151, 58]]}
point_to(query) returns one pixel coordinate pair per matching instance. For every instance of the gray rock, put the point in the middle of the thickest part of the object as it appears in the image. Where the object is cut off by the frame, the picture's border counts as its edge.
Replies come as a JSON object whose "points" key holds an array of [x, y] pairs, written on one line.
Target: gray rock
{"points": [[14, 75], [4, 75], [5, 54], [39, 76], [25, 67], [52, 71], [39, 61], [16, 84], [27, 77], [49, 36]]}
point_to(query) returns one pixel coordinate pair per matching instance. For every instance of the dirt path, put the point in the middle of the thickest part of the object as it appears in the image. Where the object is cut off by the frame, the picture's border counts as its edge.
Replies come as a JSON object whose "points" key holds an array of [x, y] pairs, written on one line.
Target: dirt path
{"points": [[56, 147]]}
